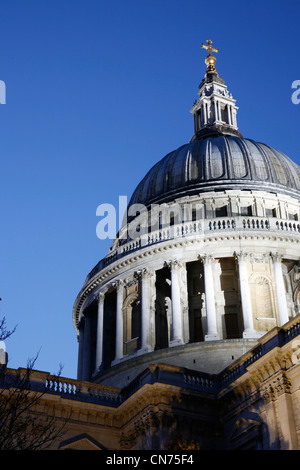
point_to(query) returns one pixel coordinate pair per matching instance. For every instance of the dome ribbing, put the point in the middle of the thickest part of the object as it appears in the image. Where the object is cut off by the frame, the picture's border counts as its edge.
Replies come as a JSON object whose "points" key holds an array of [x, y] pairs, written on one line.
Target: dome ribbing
{"points": [[218, 162]]}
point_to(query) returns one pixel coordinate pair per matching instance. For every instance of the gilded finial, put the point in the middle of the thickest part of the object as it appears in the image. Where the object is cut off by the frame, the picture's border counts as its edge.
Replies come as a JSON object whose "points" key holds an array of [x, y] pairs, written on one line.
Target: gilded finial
{"points": [[210, 59]]}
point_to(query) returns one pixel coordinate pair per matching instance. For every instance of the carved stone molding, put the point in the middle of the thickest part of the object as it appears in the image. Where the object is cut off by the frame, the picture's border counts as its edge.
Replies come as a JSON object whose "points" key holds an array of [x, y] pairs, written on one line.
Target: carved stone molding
{"points": [[118, 284], [173, 264], [276, 257], [131, 282], [100, 296], [273, 390], [206, 259], [243, 256], [143, 273]]}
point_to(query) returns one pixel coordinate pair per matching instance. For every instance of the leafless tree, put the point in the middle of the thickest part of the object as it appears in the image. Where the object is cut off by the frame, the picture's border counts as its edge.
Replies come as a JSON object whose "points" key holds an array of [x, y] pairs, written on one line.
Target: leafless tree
{"points": [[4, 332], [23, 424]]}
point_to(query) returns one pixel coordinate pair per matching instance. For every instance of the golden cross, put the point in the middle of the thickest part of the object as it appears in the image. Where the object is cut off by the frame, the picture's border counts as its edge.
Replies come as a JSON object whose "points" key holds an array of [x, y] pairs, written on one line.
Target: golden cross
{"points": [[209, 47]]}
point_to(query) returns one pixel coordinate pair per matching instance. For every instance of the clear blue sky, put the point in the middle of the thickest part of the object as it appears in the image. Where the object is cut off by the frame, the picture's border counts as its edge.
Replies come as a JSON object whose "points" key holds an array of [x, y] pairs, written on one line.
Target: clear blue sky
{"points": [[97, 93]]}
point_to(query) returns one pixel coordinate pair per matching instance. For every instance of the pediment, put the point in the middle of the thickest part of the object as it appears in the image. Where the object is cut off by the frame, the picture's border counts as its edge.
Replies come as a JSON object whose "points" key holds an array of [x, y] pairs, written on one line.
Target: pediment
{"points": [[81, 442], [245, 426]]}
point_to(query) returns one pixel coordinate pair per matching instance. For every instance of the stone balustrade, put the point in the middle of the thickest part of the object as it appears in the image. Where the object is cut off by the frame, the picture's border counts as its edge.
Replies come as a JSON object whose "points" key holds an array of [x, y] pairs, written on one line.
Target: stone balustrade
{"points": [[184, 378], [205, 226], [89, 391]]}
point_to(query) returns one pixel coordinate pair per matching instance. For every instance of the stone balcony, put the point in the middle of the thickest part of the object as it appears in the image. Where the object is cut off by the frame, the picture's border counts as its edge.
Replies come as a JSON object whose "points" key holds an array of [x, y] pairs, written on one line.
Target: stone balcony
{"points": [[200, 228]]}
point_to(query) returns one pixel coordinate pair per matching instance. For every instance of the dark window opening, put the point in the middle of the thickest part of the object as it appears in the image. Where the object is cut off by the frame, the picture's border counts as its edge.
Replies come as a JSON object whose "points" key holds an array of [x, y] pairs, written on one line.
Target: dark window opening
{"points": [[271, 212], [221, 211], [246, 210]]}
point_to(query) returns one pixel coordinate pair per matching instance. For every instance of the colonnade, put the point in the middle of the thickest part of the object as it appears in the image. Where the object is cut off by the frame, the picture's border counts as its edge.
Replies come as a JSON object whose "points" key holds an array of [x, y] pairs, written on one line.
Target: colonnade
{"points": [[179, 336], [205, 114]]}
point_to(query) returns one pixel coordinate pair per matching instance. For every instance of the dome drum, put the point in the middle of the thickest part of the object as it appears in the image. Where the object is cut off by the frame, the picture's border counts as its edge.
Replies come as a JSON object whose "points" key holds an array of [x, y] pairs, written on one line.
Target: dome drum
{"points": [[208, 285], [205, 215]]}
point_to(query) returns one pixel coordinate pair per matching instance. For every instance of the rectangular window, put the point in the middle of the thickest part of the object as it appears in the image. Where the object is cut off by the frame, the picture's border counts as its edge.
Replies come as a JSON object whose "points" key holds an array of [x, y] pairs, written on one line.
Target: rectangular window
{"points": [[221, 211], [270, 212], [246, 210]]}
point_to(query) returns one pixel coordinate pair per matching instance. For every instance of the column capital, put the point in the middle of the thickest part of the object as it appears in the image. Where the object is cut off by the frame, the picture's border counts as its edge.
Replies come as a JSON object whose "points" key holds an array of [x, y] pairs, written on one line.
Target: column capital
{"points": [[243, 256], [118, 283], [144, 273], [276, 257], [173, 264], [206, 259], [131, 281], [100, 296]]}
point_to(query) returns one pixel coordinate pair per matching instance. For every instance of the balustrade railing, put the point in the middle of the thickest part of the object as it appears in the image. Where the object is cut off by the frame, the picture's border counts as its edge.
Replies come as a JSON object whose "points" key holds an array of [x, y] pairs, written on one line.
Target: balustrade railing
{"points": [[192, 228], [210, 383], [69, 388]]}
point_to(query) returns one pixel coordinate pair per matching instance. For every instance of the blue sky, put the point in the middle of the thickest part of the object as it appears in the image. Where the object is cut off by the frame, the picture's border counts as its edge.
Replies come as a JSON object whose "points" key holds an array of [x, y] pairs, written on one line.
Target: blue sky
{"points": [[96, 93]]}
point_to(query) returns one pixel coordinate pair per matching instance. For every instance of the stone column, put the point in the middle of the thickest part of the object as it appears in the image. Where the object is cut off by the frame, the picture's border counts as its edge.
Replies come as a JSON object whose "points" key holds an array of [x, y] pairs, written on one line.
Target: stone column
{"points": [[86, 366], [249, 331], [219, 111], [80, 351], [177, 330], [280, 289], [99, 345], [216, 111], [229, 115], [205, 113], [119, 320], [147, 310], [211, 316]]}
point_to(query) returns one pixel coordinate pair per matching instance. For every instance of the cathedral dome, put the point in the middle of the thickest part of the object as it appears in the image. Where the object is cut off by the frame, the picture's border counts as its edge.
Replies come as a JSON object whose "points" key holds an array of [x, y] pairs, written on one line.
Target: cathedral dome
{"points": [[209, 267], [218, 162]]}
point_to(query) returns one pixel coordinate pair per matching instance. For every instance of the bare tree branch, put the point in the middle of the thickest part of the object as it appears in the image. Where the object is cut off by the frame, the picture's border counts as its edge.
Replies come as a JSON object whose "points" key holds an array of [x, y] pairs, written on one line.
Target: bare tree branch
{"points": [[24, 424], [4, 332]]}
